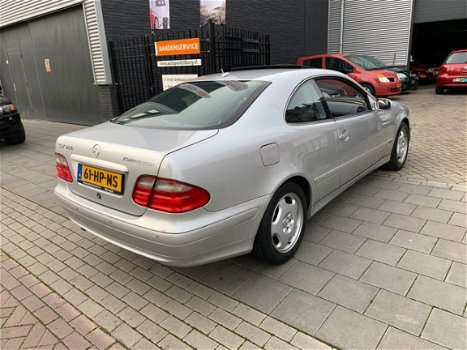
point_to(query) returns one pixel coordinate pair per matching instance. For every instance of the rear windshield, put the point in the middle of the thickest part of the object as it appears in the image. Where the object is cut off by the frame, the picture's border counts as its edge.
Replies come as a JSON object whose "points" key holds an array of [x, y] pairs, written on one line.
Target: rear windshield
{"points": [[458, 57], [195, 105]]}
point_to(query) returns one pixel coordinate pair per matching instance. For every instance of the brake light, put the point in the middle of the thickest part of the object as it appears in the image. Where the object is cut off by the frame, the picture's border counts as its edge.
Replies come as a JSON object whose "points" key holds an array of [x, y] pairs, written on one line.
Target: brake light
{"points": [[442, 70], [143, 189], [168, 195], [63, 170]]}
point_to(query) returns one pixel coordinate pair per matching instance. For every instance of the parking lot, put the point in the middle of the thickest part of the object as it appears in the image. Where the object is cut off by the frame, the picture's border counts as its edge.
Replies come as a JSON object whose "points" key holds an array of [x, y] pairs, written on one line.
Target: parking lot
{"points": [[382, 266]]}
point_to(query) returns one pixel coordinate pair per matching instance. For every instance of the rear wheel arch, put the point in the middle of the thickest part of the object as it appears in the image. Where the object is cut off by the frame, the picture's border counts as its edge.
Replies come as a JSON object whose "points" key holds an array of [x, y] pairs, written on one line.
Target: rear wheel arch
{"points": [[304, 184]]}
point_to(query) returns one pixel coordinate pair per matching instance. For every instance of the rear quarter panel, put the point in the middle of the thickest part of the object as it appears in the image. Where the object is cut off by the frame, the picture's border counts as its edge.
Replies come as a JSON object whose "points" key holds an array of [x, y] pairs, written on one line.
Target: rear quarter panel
{"points": [[229, 166]]}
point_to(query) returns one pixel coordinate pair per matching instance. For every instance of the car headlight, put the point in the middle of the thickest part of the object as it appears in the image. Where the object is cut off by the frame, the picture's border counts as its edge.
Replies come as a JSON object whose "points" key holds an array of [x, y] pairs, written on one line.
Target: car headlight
{"points": [[7, 108], [383, 79], [401, 76]]}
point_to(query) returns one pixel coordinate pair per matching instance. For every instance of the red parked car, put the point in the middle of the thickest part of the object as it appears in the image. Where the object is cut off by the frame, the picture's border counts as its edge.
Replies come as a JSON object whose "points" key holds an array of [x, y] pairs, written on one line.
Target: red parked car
{"points": [[453, 72], [376, 81]]}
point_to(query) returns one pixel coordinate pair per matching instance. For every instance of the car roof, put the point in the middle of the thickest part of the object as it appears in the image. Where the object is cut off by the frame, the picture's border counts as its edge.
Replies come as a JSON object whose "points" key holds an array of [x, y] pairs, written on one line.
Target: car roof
{"points": [[271, 75], [459, 50], [339, 55]]}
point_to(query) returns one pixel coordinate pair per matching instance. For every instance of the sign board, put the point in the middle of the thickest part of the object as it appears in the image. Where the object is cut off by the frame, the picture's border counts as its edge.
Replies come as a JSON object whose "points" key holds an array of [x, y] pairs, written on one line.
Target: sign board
{"points": [[212, 10], [169, 80], [180, 63], [47, 65], [189, 46], [159, 14]]}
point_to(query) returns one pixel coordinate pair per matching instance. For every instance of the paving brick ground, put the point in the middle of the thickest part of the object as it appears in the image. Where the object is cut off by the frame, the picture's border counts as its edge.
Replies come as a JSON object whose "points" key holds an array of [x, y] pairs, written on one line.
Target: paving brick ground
{"points": [[382, 266]]}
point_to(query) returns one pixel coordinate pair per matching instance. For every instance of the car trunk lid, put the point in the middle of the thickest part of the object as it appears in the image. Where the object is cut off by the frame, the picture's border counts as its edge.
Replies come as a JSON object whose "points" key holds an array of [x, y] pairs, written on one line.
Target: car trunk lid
{"points": [[457, 69], [122, 154]]}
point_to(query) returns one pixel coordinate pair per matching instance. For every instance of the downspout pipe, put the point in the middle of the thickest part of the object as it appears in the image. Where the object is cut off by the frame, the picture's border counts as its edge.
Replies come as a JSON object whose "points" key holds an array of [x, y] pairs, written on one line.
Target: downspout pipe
{"points": [[341, 43]]}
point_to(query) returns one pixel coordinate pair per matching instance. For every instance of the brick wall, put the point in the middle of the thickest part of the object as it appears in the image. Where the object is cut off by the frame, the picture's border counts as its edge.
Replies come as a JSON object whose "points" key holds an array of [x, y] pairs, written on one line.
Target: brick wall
{"points": [[108, 101], [296, 27]]}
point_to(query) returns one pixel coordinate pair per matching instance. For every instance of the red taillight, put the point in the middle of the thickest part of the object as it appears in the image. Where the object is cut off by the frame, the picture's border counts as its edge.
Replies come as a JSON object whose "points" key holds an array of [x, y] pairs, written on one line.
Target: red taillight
{"points": [[63, 170], [143, 189], [168, 195], [442, 70]]}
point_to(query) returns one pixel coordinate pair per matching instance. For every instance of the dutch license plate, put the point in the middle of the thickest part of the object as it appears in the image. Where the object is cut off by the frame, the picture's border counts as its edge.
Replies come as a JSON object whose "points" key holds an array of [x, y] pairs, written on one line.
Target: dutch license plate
{"points": [[99, 178], [460, 80], [422, 75]]}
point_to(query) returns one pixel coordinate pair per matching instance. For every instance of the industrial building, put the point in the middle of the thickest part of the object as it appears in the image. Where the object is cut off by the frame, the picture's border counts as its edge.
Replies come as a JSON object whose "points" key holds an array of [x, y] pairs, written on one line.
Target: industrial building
{"points": [[55, 61]]}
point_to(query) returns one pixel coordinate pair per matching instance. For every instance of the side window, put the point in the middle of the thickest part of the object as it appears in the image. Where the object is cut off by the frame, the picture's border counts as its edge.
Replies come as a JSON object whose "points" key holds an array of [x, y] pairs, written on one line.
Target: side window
{"points": [[342, 98], [313, 62], [305, 105], [339, 65]]}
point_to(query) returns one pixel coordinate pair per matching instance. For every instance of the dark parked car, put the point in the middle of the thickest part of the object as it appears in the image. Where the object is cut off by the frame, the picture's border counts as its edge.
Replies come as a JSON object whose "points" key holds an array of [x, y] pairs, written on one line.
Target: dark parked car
{"points": [[425, 72], [11, 127]]}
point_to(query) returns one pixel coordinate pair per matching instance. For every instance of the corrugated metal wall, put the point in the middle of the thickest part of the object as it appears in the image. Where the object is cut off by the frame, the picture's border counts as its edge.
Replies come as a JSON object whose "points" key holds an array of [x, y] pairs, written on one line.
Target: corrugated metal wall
{"points": [[334, 26], [439, 10], [381, 28], [23, 10]]}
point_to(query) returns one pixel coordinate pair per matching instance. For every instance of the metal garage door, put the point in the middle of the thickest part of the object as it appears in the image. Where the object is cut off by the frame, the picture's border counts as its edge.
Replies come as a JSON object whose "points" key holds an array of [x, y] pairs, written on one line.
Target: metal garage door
{"points": [[381, 28], [50, 74], [437, 10]]}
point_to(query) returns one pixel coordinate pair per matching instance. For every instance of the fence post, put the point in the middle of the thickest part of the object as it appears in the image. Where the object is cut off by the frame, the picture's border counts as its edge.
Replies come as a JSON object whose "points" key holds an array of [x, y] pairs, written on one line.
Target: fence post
{"points": [[268, 55], [212, 48], [115, 70], [148, 42]]}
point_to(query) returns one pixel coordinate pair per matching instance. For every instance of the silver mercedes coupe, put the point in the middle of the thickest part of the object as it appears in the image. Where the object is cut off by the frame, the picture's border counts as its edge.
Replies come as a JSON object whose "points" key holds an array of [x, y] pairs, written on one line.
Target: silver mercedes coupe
{"points": [[227, 164]]}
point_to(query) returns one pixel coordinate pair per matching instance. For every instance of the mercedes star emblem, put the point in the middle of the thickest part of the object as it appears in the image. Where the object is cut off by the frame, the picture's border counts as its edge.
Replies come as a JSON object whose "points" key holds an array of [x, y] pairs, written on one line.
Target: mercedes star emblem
{"points": [[96, 149]]}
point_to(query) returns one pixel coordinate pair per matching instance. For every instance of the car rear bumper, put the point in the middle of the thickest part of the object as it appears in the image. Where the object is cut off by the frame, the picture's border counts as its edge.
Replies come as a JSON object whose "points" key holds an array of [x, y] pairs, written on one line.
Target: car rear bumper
{"points": [[448, 82], [228, 235]]}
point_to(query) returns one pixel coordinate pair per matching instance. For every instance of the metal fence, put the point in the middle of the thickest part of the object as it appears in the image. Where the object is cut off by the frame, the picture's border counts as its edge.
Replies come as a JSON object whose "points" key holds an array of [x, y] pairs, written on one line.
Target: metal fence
{"points": [[134, 64]]}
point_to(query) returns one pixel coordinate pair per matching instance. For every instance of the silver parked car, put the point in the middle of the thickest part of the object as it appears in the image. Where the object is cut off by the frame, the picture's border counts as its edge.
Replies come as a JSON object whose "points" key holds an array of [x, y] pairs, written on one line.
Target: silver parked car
{"points": [[227, 164]]}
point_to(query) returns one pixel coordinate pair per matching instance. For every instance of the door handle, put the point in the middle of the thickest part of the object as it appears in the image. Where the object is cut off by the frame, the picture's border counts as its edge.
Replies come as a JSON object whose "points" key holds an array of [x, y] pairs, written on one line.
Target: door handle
{"points": [[344, 135]]}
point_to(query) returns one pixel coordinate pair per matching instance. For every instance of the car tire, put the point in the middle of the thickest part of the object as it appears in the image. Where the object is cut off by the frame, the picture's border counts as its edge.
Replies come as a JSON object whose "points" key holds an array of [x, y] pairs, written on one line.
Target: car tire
{"points": [[439, 91], [20, 138], [368, 88], [400, 149], [282, 226]]}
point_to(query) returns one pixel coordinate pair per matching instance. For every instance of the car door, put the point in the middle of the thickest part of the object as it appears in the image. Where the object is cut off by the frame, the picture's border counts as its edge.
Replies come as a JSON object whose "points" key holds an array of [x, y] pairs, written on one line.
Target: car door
{"points": [[339, 65], [314, 145], [362, 136]]}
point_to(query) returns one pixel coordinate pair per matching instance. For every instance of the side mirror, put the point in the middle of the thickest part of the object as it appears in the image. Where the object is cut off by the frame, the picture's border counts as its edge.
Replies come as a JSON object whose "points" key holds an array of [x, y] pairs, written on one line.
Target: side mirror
{"points": [[383, 103]]}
